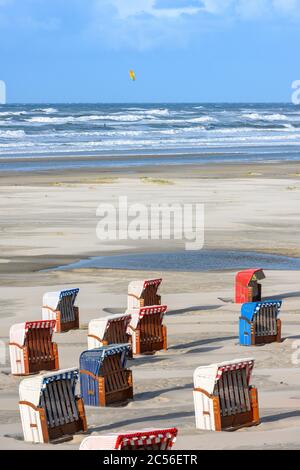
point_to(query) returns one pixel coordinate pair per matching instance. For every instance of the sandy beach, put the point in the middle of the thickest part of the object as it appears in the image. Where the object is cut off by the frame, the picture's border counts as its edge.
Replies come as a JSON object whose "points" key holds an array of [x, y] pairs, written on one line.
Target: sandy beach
{"points": [[48, 219]]}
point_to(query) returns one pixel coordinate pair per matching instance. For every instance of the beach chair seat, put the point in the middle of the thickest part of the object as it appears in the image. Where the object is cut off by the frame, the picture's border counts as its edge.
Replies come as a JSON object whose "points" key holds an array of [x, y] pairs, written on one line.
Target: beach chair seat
{"points": [[31, 347], [143, 293], [104, 378], [148, 333], [148, 439], [247, 287], [259, 323], [60, 306], [108, 330], [50, 408], [223, 398]]}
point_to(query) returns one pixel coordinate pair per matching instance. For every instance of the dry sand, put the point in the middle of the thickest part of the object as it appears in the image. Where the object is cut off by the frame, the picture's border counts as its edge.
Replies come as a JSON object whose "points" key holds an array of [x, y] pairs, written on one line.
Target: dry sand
{"points": [[50, 219]]}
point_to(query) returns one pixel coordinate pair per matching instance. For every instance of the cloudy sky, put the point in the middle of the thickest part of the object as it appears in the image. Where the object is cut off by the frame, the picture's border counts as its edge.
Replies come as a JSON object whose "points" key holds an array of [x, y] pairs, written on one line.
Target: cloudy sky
{"points": [[181, 50]]}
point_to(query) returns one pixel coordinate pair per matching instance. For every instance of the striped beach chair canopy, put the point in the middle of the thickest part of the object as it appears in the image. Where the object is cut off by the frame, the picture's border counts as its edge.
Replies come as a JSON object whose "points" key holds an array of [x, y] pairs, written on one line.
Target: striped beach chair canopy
{"points": [[137, 314], [250, 309], [53, 299], [92, 359], [99, 326], [152, 439], [137, 287], [19, 331], [31, 389], [206, 377]]}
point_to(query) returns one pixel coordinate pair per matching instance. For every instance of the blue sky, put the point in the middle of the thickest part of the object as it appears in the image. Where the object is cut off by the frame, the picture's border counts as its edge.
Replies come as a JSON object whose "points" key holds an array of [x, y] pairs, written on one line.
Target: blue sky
{"points": [[181, 50]]}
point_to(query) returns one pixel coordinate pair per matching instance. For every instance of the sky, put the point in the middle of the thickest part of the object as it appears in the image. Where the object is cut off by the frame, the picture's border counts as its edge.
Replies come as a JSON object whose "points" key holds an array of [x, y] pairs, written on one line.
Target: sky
{"points": [[56, 51]]}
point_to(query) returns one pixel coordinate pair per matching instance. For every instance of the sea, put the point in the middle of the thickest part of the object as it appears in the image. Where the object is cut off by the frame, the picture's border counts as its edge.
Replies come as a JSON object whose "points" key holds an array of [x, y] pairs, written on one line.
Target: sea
{"points": [[127, 135]]}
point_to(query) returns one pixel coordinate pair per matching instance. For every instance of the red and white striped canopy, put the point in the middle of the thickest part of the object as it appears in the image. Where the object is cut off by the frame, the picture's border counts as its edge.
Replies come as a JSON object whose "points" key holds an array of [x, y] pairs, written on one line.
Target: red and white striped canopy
{"points": [[19, 331], [135, 439]]}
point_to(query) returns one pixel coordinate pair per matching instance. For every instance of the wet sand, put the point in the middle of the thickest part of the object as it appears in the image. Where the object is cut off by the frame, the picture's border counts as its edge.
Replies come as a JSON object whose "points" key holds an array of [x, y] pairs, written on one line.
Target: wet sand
{"points": [[49, 219]]}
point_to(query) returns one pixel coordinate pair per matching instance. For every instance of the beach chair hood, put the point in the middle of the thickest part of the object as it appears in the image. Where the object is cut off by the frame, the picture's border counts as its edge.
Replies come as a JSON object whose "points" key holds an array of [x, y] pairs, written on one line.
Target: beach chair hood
{"points": [[19, 331], [146, 437], [246, 277], [100, 325], [52, 299], [92, 360], [137, 314], [251, 308], [137, 287], [206, 377], [30, 389]]}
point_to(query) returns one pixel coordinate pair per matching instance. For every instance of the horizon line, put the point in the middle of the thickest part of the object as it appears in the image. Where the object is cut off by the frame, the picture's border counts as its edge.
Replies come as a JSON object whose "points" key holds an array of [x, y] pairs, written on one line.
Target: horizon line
{"points": [[16, 103]]}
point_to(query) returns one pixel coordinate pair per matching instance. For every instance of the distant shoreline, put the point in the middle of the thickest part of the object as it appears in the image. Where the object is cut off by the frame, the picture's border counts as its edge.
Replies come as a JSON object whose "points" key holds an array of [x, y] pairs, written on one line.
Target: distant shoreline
{"points": [[137, 162]]}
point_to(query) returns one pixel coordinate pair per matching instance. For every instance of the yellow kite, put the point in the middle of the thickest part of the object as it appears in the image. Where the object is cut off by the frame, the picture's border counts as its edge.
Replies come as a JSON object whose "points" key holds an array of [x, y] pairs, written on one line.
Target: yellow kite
{"points": [[132, 75]]}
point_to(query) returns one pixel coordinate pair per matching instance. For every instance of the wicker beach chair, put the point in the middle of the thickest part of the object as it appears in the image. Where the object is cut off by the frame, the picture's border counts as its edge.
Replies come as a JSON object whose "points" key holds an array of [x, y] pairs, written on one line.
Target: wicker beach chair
{"points": [[247, 288], [108, 330], [143, 293], [259, 323], [49, 407], [223, 397], [104, 379], [31, 347], [60, 306], [148, 333]]}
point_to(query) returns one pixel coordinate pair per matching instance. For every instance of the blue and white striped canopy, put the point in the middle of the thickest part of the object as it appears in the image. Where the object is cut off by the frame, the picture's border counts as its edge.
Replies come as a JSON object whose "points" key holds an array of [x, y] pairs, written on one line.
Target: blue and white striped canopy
{"points": [[92, 360], [68, 375], [68, 293], [251, 308]]}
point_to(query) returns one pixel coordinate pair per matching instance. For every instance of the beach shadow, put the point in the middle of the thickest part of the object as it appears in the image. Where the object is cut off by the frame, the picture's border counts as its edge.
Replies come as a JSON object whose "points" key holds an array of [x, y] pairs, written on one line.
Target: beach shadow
{"points": [[198, 308], [202, 350], [135, 421], [157, 393], [201, 342], [140, 360], [280, 416], [288, 295], [114, 311]]}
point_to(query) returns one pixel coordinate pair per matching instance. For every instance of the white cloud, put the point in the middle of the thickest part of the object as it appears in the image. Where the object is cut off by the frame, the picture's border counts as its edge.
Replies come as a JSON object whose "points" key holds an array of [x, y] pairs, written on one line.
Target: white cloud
{"points": [[142, 24], [131, 8]]}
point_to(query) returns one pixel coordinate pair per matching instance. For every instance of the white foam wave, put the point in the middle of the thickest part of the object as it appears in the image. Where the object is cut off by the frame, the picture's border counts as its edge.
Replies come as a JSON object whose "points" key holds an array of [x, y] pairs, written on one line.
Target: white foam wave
{"points": [[74, 119], [13, 113], [12, 134], [45, 110], [158, 112], [202, 119], [265, 117]]}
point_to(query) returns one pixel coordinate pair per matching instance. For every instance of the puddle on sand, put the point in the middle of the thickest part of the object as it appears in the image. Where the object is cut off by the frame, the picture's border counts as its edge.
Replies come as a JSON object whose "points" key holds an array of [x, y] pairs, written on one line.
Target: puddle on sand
{"points": [[193, 261]]}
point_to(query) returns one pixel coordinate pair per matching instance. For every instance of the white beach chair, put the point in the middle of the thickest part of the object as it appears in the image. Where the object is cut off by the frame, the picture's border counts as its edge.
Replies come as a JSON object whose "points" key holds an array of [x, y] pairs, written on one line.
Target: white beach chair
{"points": [[223, 397], [50, 408], [108, 330], [61, 306], [31, 347], [143, 293]]}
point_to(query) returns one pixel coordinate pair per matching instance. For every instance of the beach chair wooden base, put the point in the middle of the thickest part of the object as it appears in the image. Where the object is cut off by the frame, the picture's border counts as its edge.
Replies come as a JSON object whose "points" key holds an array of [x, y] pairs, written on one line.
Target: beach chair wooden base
{"points": [[117, 389], [34, 366], [63, 327], [267, 339], [116, 397], [150, 344], [64, 431], [240, 420], [38, 354]]}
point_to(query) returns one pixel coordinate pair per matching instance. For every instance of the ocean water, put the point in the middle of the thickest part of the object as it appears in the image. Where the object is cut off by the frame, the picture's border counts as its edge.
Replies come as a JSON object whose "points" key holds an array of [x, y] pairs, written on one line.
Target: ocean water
{"points": [[175, 132], [189, 261]]}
